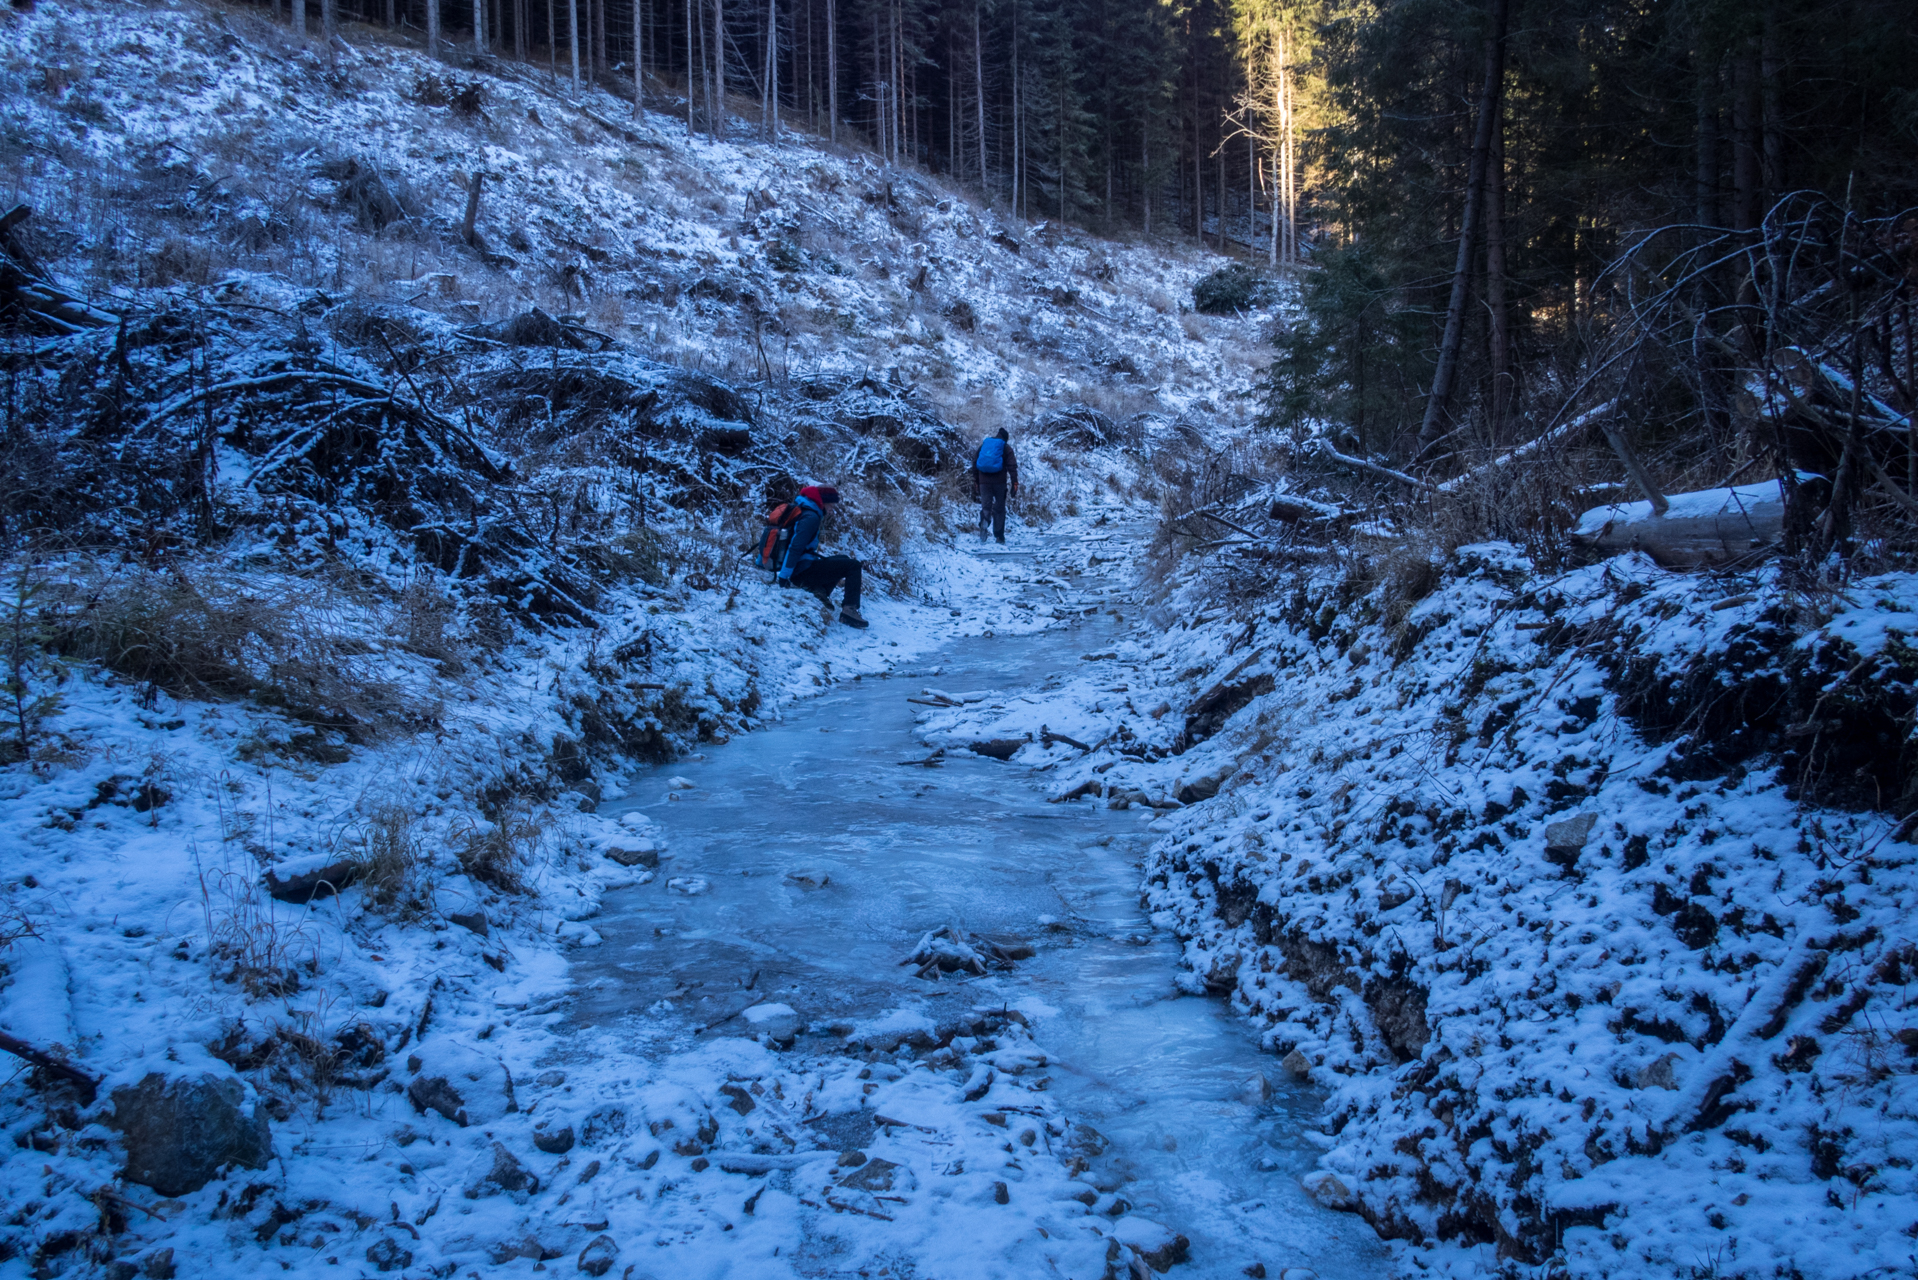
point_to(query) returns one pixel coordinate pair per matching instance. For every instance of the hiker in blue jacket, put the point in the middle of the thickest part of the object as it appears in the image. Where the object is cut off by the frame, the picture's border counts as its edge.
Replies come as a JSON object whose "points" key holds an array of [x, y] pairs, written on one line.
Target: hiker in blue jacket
{"points": [[995, 472], [802, 565]]}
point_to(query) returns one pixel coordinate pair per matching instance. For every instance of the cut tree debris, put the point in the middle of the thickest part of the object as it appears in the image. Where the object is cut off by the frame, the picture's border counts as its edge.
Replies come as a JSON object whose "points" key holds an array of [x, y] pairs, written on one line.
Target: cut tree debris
{"points": [[1706, 529]]}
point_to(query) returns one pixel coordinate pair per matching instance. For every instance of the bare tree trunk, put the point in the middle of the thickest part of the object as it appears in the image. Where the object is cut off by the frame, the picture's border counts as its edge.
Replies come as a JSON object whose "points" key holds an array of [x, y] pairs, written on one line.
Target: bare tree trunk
{"points": [[979, 94], [1499, 335], [1745, 139], [1489, 109], [432, 27], [1198, 165], [689, 68], [1705, 127], [329, 18], [1291, 164], [552, 37], [1019, 157], [718, 122], [572, 39], [1771, 74], [479, 25], [832, 73], [639, 59], [1145, 167], [299, 16]]}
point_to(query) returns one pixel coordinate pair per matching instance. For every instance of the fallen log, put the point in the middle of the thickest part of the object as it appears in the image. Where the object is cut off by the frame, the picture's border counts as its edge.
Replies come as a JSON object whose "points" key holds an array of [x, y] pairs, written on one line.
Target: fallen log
{"points": [[85, 1085], [25, 285], [1544, 439], [1047, 737], [1705, 529], [1370, 468]]}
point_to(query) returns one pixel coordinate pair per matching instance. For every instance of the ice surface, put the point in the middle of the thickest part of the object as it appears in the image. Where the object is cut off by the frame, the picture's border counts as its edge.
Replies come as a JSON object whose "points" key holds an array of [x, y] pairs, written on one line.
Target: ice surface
{"points": [[973, 843]]}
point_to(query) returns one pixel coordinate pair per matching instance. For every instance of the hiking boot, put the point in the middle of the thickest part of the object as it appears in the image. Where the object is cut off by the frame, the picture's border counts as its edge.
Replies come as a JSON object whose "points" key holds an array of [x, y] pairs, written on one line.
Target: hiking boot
{"points": [[852, 619], [1001, 539]]}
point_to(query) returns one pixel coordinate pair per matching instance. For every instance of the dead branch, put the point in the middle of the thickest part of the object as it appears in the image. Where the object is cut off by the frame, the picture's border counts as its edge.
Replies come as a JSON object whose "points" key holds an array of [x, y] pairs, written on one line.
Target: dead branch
{"points": [[87, 1087]]}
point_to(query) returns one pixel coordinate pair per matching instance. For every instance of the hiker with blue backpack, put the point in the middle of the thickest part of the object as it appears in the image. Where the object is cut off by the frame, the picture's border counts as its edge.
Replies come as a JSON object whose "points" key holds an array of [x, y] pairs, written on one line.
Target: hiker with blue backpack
{"points": [[791, 550], [995, 471]]}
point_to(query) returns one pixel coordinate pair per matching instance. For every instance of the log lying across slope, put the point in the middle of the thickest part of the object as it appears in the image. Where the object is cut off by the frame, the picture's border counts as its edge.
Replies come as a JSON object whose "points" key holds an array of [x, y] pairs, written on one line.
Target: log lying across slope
{"points": [[1705, 529], [27, 291]]}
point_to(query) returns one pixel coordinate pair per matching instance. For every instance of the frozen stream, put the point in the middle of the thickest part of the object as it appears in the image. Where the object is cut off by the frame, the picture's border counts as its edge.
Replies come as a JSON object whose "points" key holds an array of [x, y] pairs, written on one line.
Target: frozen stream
{"points": [[1170, 1079]]}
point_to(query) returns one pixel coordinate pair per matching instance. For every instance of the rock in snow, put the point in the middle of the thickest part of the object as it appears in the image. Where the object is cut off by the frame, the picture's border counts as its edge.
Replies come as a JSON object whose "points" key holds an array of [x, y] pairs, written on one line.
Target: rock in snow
{"points": [[1327, 1189], [1160, 1247], [504, 1173], [460, 1083], [597, 1258], [303, 880], [182, 1130]]}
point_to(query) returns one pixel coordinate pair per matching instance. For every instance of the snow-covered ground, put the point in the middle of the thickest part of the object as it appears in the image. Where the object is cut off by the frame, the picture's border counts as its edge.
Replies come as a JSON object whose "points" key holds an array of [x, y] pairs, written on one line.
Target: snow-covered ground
{"points": [[1513, 865], [1584, 895]]}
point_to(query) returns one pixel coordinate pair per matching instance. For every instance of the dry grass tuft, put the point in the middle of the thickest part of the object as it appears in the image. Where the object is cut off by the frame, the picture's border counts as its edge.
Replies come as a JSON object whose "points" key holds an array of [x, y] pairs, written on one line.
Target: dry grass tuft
{"points": [[501, 854], [288, 643], [391, 873]]}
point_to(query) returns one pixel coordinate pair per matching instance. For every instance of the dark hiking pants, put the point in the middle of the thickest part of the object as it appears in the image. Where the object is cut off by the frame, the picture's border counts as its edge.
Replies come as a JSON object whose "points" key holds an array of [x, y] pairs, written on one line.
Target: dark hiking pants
{"points": [[992, 504], [822, 575]]}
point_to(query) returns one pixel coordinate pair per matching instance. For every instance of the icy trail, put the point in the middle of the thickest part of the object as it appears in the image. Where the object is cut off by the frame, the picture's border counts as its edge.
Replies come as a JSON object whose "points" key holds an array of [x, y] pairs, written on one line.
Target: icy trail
{"points": [[824, 861]]}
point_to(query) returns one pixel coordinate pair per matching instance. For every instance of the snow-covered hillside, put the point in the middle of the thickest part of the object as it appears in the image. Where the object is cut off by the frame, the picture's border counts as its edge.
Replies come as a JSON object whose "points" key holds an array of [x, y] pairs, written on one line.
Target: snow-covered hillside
{"points": [[1587, 895]]}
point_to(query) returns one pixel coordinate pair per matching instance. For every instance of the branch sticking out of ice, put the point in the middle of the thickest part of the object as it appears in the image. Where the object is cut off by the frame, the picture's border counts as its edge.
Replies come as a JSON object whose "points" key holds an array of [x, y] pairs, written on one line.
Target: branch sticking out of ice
{"points": [[953, 950]]}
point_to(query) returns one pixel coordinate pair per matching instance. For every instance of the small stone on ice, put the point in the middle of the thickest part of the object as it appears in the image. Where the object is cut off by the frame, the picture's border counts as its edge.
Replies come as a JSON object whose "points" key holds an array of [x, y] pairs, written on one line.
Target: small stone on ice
{"points": [[681, 784], [688, 885], [1298, 1064]]}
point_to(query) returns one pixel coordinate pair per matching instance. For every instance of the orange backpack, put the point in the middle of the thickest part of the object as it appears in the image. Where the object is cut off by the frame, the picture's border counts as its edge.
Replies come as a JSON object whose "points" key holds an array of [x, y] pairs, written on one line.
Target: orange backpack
{"points": [[770, 548]]}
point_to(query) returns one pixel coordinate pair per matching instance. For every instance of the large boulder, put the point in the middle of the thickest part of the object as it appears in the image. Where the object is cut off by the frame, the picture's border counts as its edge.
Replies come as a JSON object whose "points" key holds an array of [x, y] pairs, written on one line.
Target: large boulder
{"points": [[182, 1130]]}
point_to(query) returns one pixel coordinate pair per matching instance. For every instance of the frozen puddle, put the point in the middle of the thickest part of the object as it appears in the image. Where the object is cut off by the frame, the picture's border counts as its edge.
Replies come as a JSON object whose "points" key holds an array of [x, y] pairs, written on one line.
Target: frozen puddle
{"points": [[827, 862]]}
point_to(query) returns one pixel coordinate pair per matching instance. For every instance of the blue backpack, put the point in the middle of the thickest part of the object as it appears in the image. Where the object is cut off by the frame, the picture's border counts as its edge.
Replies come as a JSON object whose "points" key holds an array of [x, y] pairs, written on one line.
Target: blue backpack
{"points": [[992, 456]]}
